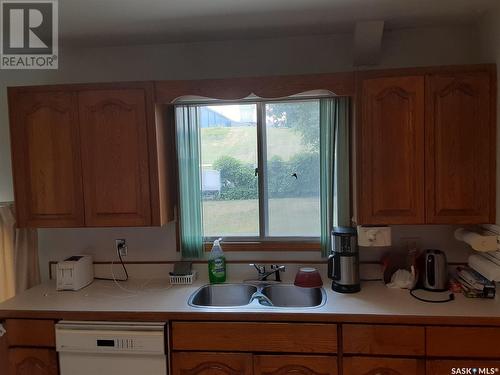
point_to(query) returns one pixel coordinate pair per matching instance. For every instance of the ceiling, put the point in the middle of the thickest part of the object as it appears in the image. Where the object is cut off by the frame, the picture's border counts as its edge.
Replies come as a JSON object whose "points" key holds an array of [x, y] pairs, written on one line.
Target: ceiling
{"points": [[119, 22]]}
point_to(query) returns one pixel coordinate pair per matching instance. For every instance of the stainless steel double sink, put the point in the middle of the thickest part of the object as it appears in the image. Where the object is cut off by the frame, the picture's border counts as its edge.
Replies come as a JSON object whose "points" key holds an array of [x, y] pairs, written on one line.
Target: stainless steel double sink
{"points": [[257, 295]]}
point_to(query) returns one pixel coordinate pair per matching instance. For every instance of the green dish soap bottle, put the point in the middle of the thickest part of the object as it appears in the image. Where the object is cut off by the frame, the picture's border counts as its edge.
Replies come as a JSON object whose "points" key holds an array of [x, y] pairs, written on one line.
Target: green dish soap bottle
{"points": [[217, 264]]}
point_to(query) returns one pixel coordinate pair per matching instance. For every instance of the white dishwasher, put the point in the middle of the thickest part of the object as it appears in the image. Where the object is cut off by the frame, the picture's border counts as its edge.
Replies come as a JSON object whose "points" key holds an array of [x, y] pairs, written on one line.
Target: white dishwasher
{"points": [[109, 348]]}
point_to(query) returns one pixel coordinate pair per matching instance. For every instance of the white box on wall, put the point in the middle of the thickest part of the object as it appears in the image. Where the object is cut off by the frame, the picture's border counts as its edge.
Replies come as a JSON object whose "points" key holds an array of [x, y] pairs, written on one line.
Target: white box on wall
{"points": [[374, 236]]}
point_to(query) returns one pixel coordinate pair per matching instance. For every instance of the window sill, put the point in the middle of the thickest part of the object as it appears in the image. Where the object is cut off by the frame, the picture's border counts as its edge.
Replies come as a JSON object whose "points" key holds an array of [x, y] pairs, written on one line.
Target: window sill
{"points": [[267, 246]]}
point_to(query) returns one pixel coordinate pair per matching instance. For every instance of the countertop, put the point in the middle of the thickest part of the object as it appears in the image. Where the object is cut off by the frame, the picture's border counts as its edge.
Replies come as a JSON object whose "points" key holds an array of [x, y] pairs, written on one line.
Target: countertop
{"points": [[156, 300]]}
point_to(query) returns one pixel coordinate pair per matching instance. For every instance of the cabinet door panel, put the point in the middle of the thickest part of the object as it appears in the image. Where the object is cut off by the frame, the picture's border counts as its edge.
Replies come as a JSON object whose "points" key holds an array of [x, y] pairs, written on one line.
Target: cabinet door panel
{"points": [[193, 363], [294, 365], [115, 157], [46, 159], [459, 165], [32, 362], [391, 175], [383, 366]]}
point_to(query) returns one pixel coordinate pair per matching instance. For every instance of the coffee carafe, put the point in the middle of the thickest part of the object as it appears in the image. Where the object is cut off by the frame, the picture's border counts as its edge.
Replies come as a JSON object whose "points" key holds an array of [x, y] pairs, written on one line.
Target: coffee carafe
{"points": [[343, 263]]}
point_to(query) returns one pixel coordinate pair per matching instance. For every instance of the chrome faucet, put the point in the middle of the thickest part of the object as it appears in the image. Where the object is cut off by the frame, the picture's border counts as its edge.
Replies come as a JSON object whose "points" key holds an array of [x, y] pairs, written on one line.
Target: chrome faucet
{"points": [[263, 275]]}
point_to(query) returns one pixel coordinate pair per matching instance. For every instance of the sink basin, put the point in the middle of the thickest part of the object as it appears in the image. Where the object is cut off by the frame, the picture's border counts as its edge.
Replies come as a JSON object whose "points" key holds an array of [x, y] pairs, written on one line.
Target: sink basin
{"points": [[294, 296], [268, 296], [223, 295]]}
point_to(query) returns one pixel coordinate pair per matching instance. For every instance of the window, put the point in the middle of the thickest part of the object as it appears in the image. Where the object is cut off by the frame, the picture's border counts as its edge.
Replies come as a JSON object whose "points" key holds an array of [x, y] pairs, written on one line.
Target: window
{"points": [[260, 169], [263, 170], [230, 192]]}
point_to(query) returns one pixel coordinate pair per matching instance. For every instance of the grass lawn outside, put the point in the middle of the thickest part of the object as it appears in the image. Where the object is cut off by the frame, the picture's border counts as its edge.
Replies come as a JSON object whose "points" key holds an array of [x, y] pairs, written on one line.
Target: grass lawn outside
{"points": [[241, 143], [287, 217]]}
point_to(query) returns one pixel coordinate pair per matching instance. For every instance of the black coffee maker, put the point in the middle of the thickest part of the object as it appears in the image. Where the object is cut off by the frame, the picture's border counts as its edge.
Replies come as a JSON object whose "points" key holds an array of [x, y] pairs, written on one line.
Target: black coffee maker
{"points": [[343, 263]]}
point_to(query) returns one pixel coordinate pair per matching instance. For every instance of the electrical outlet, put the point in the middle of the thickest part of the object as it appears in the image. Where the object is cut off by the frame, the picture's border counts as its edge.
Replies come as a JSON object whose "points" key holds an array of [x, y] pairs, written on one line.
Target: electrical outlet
{"points": [[411, 243], [121, 247]]}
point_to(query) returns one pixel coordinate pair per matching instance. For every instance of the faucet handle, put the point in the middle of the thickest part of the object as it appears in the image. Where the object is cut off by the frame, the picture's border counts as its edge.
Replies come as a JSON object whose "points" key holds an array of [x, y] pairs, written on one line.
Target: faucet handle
{"points": [[277, 267], [261, 269]]}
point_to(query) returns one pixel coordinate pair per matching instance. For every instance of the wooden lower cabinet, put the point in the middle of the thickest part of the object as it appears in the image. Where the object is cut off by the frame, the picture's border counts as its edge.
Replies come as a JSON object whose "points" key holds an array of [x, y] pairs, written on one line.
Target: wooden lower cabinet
{"points": [[32, 361], [295, 365], [200, 363], [378, 340], [213, 363], [445, 367], [252, 337], [4, 354], [382, 366], [31, 333], [463, 342]]}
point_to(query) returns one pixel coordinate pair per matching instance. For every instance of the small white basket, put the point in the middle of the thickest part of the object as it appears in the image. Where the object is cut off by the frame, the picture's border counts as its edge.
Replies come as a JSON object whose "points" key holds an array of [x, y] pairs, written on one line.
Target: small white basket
{"points": [[183, 280]]}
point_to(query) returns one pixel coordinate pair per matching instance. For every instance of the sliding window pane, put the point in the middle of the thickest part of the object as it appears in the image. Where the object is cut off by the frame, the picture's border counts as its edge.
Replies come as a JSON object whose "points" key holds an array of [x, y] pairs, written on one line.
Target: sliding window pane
{"points": [[229, 158], [293, 170]]}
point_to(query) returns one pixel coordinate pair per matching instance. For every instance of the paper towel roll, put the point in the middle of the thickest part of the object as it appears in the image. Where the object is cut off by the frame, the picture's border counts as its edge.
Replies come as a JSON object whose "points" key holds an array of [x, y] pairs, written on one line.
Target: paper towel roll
{"points": [[479, 242]]}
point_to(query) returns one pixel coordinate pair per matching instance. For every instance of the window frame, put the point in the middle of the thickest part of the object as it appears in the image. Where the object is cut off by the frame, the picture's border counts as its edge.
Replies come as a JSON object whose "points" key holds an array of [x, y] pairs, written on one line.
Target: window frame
{"points": [[262, 241]]}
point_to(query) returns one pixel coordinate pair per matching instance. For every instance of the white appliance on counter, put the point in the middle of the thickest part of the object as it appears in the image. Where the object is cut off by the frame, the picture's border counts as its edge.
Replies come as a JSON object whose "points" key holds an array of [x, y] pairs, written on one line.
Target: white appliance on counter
{"points": [[111, 348], [75, 272]]}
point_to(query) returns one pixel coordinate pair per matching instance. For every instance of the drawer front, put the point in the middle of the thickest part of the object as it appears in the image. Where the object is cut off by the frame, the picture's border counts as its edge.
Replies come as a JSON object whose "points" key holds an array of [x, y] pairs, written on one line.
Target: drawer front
{"points": [[258, 337], [295, 365], [33, 333], [463, 342], [383, 366], [383, 340], [437, 367]]}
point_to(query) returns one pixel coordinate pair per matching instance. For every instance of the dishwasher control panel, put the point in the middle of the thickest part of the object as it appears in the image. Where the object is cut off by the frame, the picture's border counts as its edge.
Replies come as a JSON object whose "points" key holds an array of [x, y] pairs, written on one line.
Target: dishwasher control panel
{"points": [[105, 337], [116, 343]]}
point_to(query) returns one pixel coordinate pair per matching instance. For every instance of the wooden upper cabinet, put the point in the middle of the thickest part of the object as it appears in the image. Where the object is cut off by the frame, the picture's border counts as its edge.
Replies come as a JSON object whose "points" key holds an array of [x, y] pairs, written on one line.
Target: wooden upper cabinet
{"points": [[391, 166], [115, 157], [46, 159], [460, 136], [94, 155]]}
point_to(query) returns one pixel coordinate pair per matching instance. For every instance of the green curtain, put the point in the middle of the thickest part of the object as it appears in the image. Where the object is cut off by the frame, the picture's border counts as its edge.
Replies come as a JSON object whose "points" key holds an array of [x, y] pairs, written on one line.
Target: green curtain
{"points": [[334, 167], [188, 158]]}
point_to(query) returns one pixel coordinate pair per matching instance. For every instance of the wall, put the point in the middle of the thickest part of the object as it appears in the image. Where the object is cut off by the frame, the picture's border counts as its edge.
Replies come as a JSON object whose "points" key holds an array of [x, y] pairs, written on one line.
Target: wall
{"points": [[318, 54], [490, 52], [158, 244]]}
